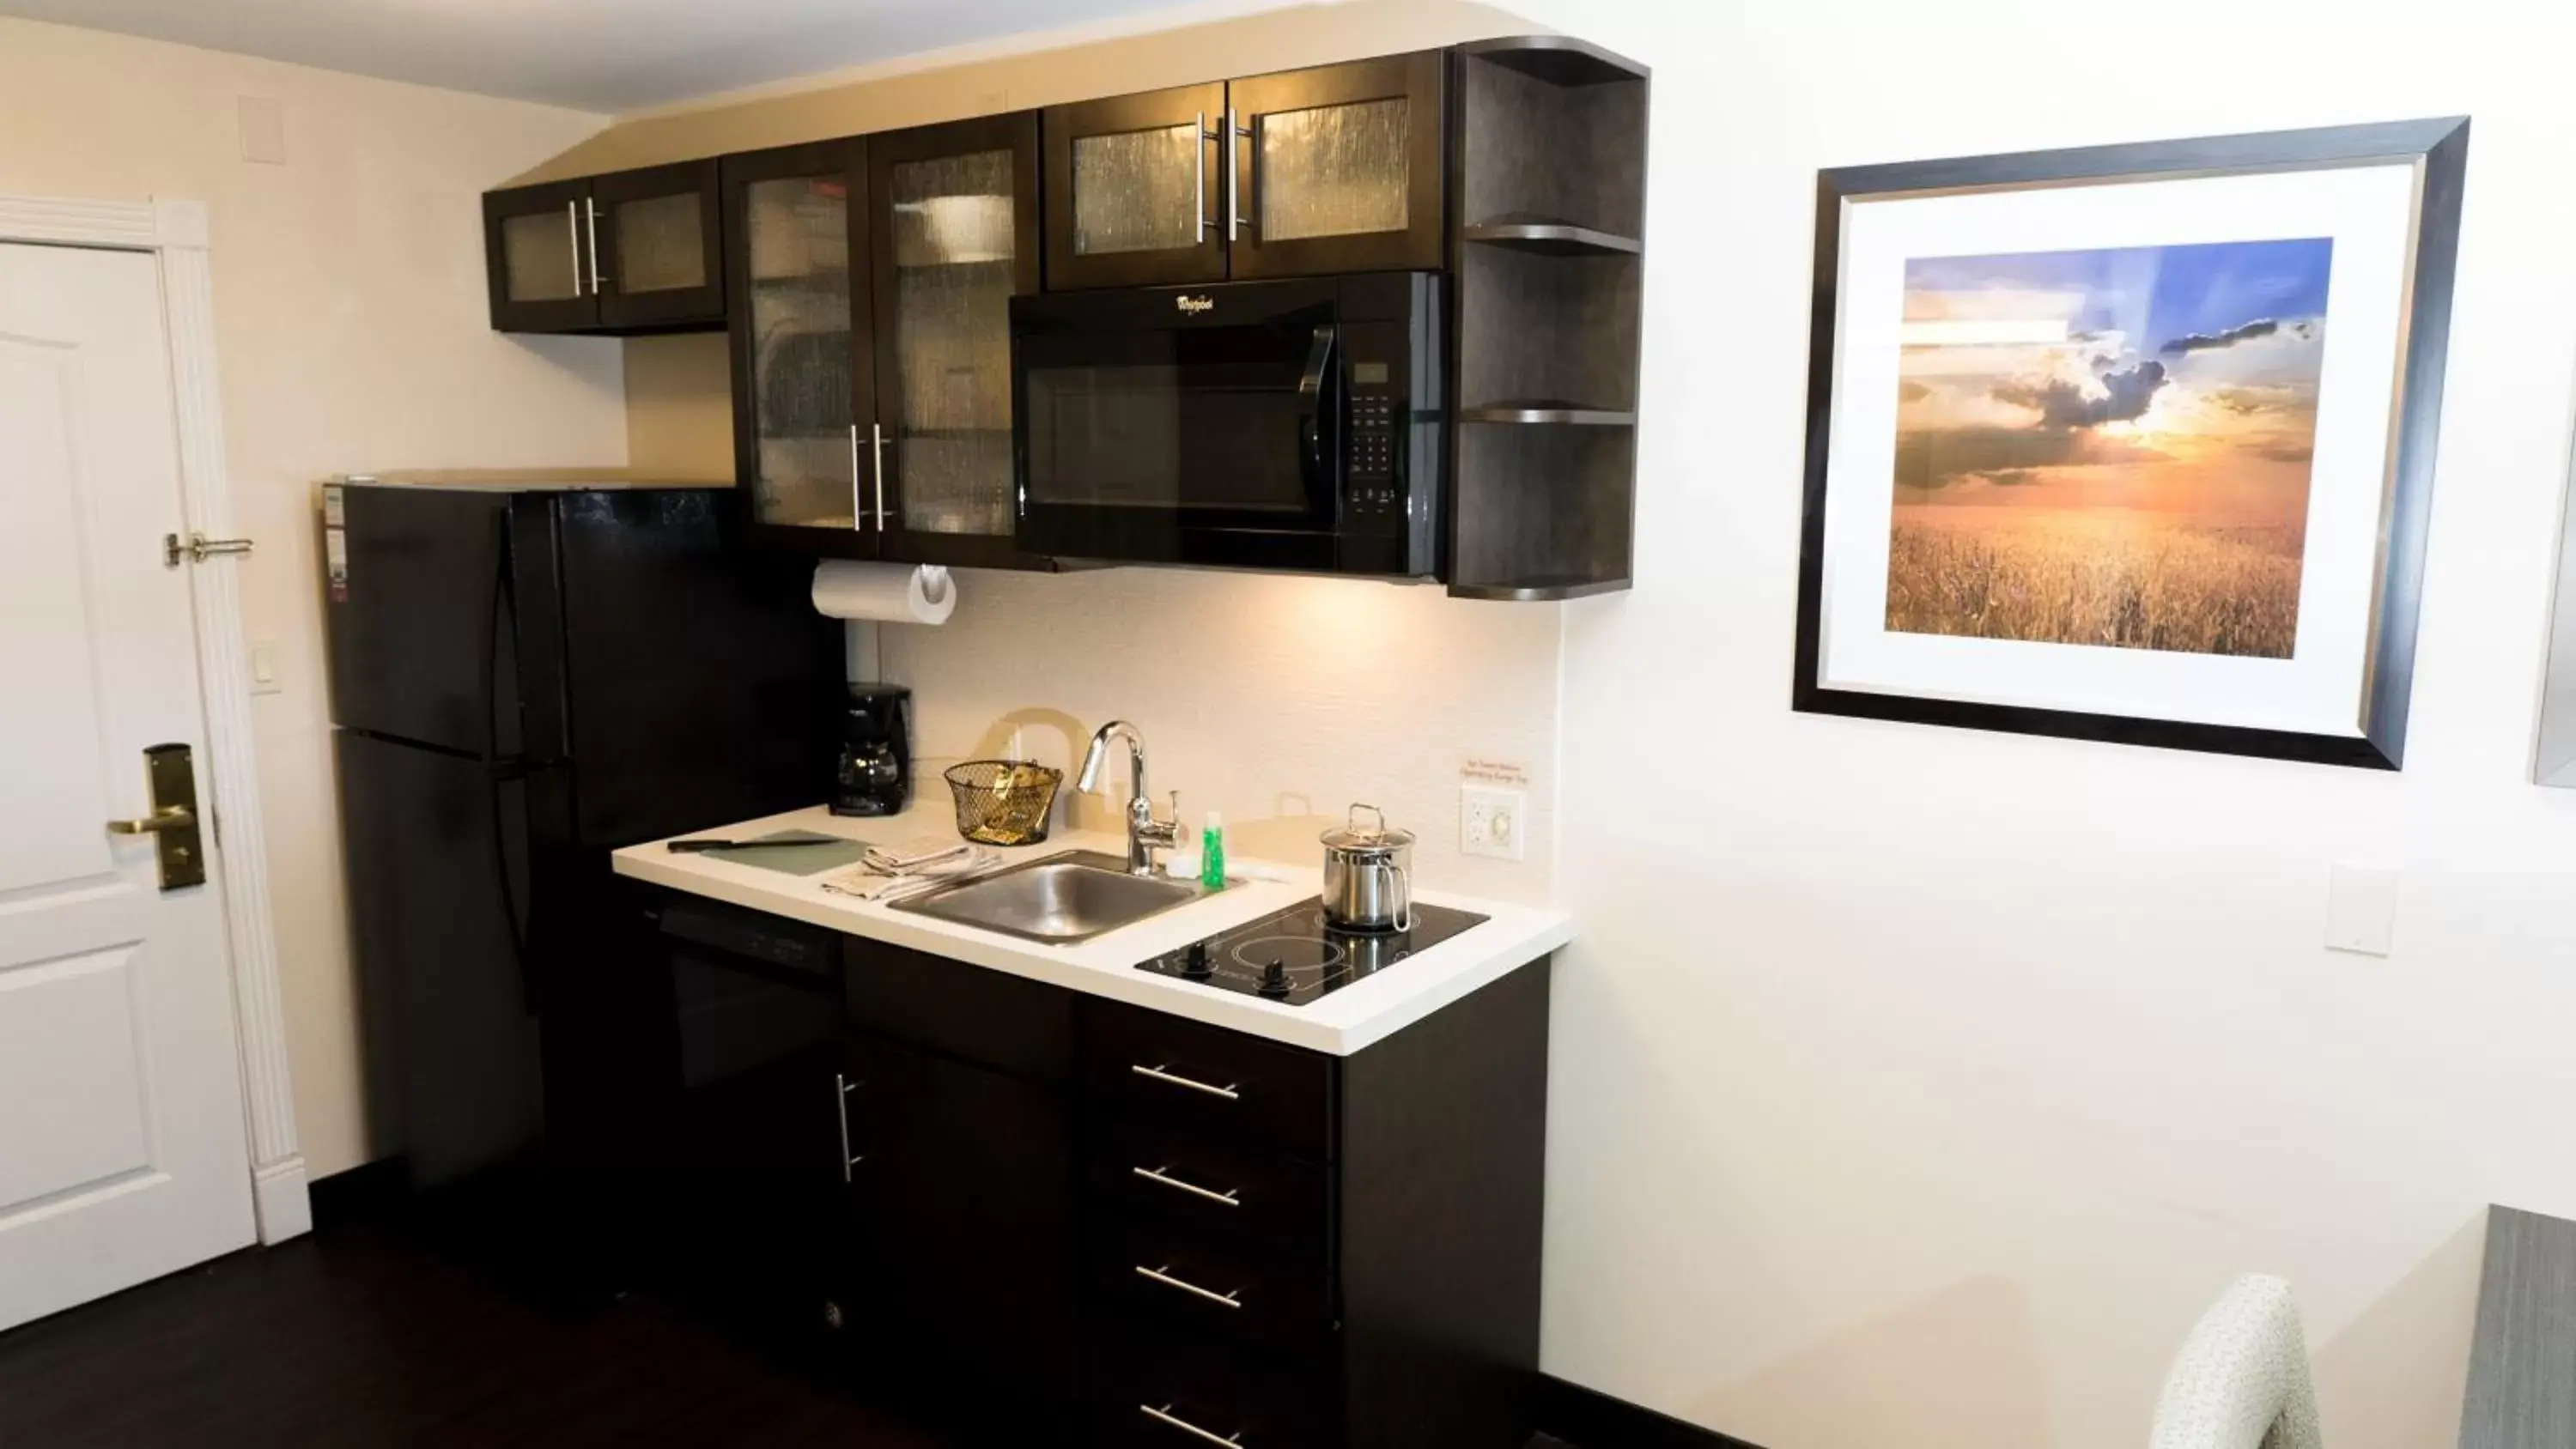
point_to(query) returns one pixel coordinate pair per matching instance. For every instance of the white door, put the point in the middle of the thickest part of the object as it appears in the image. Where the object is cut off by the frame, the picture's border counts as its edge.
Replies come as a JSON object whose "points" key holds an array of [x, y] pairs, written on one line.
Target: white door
{"points": [[122, 1152]]}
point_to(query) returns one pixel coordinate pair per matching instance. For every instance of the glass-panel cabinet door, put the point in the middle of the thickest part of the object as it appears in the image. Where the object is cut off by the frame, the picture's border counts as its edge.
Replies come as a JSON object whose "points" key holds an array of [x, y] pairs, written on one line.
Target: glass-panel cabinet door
{"points": [[1134, 190], [803, 390], [660, 240], [1337, 169], [536, 254], [955, 226]]}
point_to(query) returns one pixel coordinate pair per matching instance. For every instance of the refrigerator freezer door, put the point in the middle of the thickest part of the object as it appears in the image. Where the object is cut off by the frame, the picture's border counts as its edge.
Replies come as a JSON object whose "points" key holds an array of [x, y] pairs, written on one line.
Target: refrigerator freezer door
{"points": [[418, 614], [699, 685], [437, 856]]}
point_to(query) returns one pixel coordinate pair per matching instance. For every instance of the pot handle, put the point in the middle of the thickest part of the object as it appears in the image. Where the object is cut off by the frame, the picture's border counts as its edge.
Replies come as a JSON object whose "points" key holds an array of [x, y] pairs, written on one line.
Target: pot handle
{"points": [[1352, 820], [1403, 898]]}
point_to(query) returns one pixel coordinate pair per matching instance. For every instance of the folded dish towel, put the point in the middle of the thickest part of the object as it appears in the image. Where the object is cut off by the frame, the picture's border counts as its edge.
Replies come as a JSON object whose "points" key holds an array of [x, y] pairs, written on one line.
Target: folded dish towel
{"points": [[898, 870], [917, 857]]}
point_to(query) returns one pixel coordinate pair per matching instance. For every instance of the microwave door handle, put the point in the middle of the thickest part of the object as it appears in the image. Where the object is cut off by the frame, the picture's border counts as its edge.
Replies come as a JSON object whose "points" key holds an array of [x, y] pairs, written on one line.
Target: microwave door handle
{"points": [[1310, 409]]}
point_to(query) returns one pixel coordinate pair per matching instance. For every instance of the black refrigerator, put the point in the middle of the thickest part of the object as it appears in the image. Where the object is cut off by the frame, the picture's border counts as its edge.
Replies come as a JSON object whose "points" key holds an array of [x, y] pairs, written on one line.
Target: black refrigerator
{"points": [[523, 680]]}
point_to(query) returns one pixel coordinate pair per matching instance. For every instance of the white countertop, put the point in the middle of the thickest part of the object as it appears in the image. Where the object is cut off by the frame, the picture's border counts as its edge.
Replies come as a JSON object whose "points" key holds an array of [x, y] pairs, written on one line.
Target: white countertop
{"points": [[1339, 1022]]}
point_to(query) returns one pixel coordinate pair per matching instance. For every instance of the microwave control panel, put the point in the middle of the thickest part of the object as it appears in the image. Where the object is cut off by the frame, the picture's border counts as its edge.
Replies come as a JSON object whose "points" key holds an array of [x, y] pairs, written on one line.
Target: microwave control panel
{"points": [[1374, 477]]}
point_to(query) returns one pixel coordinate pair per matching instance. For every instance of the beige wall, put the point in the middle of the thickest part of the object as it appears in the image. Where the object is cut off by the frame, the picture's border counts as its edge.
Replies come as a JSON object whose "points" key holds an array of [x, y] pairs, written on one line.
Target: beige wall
{"points": [[353, 335], [1919, 1086], [1027, 71]]}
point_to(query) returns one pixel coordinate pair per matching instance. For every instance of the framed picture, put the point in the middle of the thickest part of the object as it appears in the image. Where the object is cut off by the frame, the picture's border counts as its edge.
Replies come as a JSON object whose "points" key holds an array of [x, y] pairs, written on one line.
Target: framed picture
{"points": [[2131, 443]]}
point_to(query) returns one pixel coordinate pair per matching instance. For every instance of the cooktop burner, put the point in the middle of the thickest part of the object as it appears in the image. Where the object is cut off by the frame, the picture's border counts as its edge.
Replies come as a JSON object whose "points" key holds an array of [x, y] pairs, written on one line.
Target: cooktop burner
{"points": [[1291, 956]]}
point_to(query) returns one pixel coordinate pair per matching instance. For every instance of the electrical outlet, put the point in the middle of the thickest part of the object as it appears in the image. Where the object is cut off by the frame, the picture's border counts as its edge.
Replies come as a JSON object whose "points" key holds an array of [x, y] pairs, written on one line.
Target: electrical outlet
{"points": [[1490, 821]]}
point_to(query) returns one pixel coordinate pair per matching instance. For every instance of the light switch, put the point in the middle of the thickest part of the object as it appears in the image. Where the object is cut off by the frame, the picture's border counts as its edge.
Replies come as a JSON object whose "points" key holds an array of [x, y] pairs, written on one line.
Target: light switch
{"points": [[263, 667], [2361, 909]]}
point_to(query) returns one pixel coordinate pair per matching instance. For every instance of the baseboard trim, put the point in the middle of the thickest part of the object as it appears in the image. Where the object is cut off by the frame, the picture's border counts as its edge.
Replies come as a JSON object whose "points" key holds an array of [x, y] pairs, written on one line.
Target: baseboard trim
{"points": [[1590, 1419], [369, 1190], [282, 1201]]}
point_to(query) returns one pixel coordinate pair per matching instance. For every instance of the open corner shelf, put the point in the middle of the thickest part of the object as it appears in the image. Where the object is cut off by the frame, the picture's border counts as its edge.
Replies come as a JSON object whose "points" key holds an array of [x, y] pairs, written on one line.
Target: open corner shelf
{"points": [[1538, 590], [1559, 60], [1548, 411], [1549, 236], [1549, 165]]}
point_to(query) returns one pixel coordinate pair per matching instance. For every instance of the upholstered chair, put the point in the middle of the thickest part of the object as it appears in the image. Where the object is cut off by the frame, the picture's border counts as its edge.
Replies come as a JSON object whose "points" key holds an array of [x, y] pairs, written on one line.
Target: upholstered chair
{"points": [[2241, 1380]]}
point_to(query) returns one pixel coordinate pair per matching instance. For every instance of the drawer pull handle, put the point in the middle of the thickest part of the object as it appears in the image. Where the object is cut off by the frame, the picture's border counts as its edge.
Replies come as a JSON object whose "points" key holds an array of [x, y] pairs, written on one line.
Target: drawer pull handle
{"points": [[841, 1100], [1164, 1415], [1163, 1276], [1231, 1197], [1160, 1075]]}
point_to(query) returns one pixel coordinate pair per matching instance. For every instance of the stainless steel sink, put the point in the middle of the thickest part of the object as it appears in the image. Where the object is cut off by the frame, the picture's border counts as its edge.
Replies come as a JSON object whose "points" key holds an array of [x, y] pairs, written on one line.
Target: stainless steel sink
{"points": [[1072, 896]]}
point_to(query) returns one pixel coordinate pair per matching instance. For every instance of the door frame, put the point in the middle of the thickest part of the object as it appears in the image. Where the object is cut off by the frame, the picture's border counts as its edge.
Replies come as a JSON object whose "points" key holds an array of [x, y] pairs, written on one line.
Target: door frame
{"points": [[175, 233]]}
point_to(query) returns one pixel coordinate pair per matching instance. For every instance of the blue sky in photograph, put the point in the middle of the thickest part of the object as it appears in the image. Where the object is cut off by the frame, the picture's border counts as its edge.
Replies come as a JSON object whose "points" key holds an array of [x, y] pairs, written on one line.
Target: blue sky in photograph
{"points": [[2155, 295]]}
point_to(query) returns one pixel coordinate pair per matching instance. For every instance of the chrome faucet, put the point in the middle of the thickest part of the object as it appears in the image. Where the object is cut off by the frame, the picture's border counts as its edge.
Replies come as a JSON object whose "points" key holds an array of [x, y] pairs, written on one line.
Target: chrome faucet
{"points": [[1145, 834]]}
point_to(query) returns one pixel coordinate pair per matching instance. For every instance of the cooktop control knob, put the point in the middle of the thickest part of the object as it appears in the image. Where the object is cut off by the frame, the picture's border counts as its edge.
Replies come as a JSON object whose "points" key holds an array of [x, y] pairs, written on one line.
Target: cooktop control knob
{"points": [[1274, 979], [1194, 964]]}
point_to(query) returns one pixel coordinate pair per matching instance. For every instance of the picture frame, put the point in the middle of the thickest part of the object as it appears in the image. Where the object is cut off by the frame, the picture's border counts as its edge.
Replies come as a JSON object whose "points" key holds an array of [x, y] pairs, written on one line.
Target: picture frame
{"points": [[2131, 443]]}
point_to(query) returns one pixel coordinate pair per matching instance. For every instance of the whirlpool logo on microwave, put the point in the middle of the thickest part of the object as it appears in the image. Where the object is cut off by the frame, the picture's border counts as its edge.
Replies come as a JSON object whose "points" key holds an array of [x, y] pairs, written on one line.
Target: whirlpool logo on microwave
{"points": [[1194, 305]]}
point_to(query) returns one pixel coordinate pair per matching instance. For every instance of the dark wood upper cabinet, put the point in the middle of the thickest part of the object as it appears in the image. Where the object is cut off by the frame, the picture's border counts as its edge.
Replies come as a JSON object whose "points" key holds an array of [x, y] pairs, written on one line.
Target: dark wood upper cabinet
{"points": [[953, 217], [536, 258], [1334, 169], [660, 240], [1337, 169], [804, 390], [871, 281], [1133, 186], [628, 252]]}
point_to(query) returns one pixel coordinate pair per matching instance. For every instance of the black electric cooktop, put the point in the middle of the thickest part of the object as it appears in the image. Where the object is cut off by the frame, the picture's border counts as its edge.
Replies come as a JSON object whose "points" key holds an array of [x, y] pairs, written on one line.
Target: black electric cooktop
{"points": [[1291, 956]]}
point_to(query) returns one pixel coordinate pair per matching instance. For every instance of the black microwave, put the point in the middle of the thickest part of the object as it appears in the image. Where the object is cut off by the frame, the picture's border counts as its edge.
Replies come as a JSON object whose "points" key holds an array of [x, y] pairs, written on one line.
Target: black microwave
{"points": [[1290, 424]]}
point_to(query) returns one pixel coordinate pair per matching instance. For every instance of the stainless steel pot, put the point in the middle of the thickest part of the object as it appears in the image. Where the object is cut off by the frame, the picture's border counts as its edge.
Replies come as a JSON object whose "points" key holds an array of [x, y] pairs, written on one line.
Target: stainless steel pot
{"points": [[1368, 875]]}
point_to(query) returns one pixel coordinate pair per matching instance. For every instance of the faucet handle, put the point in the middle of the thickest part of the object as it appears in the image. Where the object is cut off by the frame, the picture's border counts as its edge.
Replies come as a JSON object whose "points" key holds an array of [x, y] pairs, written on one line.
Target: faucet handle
{"points": [[1176, 809]]}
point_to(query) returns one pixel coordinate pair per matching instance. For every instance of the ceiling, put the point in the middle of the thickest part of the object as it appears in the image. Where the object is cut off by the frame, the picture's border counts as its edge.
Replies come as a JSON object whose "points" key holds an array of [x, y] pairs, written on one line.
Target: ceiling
{"points": [[595, 55]]}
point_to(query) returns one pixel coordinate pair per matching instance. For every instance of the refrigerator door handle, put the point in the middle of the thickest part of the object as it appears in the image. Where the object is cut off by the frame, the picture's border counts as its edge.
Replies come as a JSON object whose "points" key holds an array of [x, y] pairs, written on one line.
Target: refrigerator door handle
{"points": [[510, 893]]}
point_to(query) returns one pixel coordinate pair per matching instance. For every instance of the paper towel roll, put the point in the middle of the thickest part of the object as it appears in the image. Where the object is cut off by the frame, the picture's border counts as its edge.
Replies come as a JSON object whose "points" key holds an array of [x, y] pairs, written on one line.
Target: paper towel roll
{"points": [[890, 593]]}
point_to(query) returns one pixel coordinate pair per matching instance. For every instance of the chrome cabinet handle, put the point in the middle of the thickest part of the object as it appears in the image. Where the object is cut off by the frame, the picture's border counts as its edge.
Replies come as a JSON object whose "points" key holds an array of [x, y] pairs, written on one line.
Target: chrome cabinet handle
{"points": [[1233, 176], [841, 1101], [858, 507], [1160, 1275], [1160, 1075], [572, 221], [590, 212], [1232, 1197], [1198, 174], [1164, 1415], [876, 446]]}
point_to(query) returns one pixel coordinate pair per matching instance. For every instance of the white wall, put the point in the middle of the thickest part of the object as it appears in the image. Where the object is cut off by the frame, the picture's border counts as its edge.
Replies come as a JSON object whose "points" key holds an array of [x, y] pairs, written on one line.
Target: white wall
{"points": [[1926, 1085], [1277, 700], [353, 335]]}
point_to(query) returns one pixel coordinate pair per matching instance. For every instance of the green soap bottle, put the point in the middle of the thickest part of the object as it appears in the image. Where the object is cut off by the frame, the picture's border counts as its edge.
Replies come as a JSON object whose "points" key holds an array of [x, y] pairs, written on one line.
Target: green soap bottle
{"points": [[1212, 852]]}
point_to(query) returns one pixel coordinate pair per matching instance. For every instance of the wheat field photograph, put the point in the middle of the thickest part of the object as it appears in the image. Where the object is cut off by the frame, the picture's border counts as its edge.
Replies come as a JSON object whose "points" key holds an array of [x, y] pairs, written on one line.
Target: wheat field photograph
{"points": [[2109, 447]]}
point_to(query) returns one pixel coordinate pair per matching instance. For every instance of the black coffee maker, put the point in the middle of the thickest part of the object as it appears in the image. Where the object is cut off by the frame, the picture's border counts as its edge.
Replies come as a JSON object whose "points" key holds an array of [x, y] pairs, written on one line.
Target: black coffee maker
{"points": [[875, 777]]}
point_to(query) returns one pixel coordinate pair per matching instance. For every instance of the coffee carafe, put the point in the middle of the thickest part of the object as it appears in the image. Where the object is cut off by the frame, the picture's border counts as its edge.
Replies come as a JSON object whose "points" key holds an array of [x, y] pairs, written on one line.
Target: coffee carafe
{"points": [[875, 777]]}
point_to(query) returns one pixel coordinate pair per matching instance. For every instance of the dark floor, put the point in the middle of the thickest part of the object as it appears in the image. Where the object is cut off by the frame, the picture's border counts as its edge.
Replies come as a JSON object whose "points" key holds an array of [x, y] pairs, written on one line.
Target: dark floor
{"points": [[377, 1334], [367, 1335]]}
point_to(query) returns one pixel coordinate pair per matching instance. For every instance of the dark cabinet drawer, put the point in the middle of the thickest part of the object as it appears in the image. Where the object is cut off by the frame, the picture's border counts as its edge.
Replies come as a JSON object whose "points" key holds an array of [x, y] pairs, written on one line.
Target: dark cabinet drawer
{"points": [[1212, 1182], [1162, 1069], [990, 1018], [1197, 1283], [1154, 1390]]}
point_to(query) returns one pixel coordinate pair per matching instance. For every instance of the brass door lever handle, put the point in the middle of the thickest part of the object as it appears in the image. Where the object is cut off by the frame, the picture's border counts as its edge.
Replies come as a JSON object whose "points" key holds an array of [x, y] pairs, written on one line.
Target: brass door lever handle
{"points": [[168, 817]]}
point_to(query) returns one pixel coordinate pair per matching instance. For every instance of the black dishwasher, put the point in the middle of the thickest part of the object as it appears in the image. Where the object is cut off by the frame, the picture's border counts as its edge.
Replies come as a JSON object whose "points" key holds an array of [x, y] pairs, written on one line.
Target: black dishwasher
{"points": [[755, 1200]]}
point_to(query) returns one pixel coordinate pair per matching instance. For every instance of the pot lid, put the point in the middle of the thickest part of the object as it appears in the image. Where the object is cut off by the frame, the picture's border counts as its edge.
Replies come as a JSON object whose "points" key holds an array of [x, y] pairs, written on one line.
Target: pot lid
{"points": [[1377, 839]]}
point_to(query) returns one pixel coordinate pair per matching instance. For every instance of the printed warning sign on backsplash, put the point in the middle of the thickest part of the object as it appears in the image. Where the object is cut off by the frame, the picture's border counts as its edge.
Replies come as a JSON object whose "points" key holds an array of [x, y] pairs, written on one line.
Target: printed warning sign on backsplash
{"points": [[1480, 771]]}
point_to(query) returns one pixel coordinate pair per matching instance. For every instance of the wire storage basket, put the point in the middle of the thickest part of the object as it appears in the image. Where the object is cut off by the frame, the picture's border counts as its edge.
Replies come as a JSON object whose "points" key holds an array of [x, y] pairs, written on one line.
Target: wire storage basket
{"points": [[1003, 802]]}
